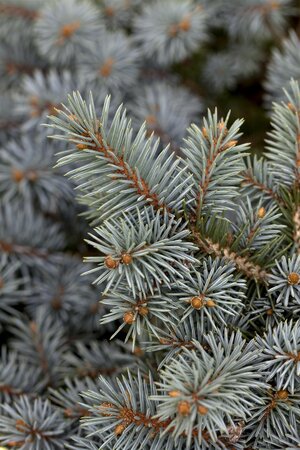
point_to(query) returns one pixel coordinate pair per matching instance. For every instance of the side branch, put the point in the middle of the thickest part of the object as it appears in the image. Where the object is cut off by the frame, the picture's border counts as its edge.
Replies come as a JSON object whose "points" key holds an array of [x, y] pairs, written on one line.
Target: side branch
{"points": [[131, 174], [203, 187], [249, 179], [128, 416], [242, 263]]}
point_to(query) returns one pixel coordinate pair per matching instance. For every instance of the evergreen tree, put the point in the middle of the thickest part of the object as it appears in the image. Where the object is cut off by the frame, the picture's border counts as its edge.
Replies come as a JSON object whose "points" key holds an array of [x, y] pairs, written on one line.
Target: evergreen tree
{"points": [[149, 260]]}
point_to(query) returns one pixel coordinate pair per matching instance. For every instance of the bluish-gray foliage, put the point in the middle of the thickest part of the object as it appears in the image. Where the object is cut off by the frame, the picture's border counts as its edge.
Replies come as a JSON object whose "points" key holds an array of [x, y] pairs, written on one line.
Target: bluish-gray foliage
{"points": [[149, 262]]}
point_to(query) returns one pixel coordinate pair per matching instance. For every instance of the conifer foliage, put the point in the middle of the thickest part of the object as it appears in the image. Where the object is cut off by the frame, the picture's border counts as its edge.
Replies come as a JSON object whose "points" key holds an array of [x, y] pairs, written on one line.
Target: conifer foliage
{"points": [[149, 259]]}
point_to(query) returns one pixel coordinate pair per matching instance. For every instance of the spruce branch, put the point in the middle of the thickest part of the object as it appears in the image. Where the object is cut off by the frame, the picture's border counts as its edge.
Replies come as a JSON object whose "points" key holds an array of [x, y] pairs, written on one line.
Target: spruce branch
{"points": [[124, 410], [237, 62], [26, 174], [42, 344], [65, 30], [32, 423], [81, 126], [283, 66], [28, 238], [242, 263], [265, 312], [130, 407], [170, 30], [68, 398], [194, 387], [212, 294], [216, 161], [146, 313], [59, 294], [9, 121], [13, 287], [88, 359], [258, 181], [17, 377], [132, 174], [176, 337], [119, 13], [264, 19], [275, 419], [147, 251], [256, 227], [167, 110], [112, 64], [40, 93], [283, 144], [193, 246], [284, 281], [16, 60], [281, 355]]}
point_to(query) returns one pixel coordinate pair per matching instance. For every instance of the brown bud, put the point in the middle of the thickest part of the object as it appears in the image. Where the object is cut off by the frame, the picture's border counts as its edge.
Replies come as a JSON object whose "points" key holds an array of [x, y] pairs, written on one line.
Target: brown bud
{"points": [[210, 303], [69, 29], [56, 303], [222, 127], [106, 68], [52, 109], [269, 312], [33, 327], [197, 302], [119, 429], [293, 278], [94, 308], [204, 132], [291, 106], [230, 144], [174, 394], [129, 317], [143, 310], [202, 410], [274, 5], [151, 120], [82, 146], [138, 351], [109, 11], [111, 263], [261, 213], [282, 394], [184, 408], [126, 259], [17, 175], [185, 24]]}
